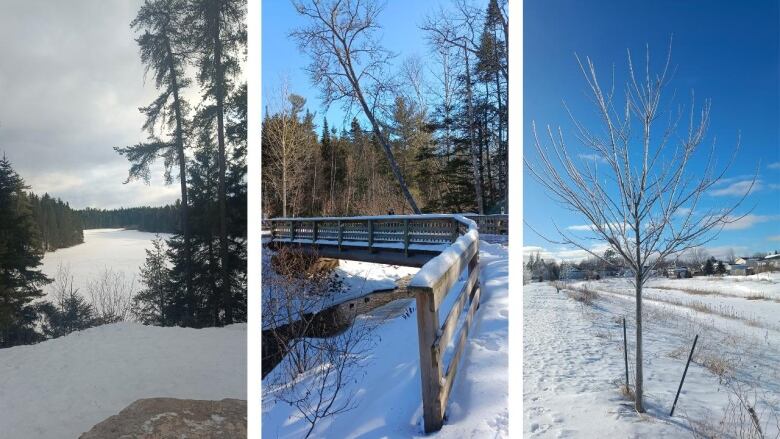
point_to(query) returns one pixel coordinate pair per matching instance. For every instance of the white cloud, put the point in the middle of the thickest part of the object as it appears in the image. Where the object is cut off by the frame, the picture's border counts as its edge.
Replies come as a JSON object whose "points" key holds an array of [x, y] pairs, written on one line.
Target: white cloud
{"points": [[562, 254], [748, 221], [593, 158], [738, 188], [774, 238], [775, 165]]}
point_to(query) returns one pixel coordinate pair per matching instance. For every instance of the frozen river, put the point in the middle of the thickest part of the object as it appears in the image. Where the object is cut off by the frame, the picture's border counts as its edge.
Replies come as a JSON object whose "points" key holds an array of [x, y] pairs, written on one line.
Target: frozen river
{"points": [[120, 251]]}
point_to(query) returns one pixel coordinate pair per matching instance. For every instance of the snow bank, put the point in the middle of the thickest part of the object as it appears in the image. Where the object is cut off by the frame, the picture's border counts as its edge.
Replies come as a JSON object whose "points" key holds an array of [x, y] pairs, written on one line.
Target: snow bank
{"points": [[62, 387], [388, 397]]}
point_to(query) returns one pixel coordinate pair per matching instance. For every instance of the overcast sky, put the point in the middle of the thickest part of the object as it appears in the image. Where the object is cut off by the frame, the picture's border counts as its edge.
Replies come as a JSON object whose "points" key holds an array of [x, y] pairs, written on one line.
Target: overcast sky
{"points": [[71, 82]]}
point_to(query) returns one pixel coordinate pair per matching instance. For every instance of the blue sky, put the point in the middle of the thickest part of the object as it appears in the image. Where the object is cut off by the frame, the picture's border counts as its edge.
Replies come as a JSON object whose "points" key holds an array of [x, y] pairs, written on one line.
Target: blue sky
{"points": [[727, 51], [281, 58]]}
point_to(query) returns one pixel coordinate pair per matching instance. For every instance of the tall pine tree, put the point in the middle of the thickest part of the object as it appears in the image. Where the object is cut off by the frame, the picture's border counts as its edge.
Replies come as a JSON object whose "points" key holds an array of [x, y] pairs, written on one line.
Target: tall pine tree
{"points": [[21, 253]]}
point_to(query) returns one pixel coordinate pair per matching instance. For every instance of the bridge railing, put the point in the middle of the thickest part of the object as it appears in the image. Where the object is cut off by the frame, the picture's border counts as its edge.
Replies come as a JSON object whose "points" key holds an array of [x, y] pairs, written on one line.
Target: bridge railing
{"points": [[392, 231], [431, 286], [490, 224]]}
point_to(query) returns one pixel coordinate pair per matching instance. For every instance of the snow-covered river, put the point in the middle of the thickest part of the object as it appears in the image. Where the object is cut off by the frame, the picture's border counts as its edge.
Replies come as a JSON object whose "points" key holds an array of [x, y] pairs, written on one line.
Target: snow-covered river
{"points": [[119, 251]]}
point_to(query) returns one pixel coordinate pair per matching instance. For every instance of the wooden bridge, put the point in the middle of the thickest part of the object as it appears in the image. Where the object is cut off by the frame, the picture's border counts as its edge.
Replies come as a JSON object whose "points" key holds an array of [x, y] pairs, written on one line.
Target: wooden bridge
{"points": [[446, 247]]}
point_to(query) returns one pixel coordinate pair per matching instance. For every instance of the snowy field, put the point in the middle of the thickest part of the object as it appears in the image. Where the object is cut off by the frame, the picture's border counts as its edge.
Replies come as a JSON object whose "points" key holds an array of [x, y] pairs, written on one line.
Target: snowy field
{"points": [[119, 250], [387, 396], [62, 387], [573, 358]]}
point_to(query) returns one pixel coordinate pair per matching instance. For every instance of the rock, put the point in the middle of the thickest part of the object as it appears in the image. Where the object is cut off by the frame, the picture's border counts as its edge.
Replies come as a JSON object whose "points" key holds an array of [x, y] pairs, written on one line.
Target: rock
{"points": [[169, 418]]}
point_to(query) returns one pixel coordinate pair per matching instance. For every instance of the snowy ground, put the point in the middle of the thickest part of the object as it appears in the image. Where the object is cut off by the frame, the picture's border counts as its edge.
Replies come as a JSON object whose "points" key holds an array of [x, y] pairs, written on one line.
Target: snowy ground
{"points": [[387, 394], [120, 250], [573, 359], [62, 387]]}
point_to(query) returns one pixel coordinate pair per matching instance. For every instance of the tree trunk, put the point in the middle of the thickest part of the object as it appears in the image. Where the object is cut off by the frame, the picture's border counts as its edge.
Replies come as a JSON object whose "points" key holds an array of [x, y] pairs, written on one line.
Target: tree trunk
{"points": [[346, 62], [221, 189], [474, 154], [639, 274], [184, 197]]}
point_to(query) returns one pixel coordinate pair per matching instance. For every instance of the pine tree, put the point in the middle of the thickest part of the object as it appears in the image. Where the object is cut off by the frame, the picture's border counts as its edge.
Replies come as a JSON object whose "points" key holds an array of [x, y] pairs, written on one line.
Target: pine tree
{"points": [[21, 252], [709, 267], [217, 33], [162, 48], [151, 303]]}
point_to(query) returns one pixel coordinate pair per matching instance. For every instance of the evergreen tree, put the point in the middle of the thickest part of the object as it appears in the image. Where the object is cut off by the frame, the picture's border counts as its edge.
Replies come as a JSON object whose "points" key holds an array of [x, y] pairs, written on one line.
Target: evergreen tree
{"points": [[721, 269], [162, 51], [150, 304], [709, 267], [217, 34], [21, 253]]}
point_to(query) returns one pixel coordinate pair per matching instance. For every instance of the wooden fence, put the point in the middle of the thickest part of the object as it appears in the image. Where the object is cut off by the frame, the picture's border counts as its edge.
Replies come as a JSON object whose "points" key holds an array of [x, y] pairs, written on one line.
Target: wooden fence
{"points": [[432, 284]]}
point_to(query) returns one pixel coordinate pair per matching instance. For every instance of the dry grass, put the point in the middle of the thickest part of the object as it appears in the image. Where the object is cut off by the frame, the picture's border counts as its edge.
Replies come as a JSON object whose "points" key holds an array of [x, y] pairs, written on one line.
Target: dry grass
{"points": [[583, 294]]}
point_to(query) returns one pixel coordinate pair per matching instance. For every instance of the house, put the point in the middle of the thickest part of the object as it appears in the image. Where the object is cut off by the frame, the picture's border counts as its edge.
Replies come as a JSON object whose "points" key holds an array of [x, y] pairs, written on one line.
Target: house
{"points": [[569, 272], [771, 261], [739, 270], [678, 272]]}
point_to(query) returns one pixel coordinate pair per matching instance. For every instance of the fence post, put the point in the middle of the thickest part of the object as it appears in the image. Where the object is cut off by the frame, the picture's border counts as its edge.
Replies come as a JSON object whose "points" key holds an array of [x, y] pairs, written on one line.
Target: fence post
{"points": [[406, 237], [370, 236], [625, 351], [341, 233], [684, 373], [430, 366], [292, 231], [314, 232]]}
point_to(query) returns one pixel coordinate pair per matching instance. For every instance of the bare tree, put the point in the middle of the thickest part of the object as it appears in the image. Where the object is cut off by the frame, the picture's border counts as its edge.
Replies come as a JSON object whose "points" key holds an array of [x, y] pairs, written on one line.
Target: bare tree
{"points": [[111, 295], [286, 145], [461, 34], [317, 359], [698, 256], [349, 64], [642, 199]]}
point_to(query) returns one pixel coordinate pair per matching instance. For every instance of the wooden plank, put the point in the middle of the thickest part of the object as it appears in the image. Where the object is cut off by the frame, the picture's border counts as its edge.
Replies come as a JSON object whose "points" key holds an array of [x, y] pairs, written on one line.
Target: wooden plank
{"points": [[452, 369], [451, 321], [430, 368], [314, 232], [442, 286]]}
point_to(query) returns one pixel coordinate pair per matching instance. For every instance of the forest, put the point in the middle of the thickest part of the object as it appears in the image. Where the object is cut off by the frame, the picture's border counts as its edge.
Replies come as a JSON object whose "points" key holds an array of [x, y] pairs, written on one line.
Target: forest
{"points": [[59, 225], [197, 277], [434, 138], [162, 219]]}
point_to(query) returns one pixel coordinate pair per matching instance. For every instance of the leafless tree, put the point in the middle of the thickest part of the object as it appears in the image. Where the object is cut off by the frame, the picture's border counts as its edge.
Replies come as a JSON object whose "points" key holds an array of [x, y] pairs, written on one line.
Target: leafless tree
{"points": [[642, 197], [286, 146], [698, 256], [318, 360], [461, 34], [350, 65], [111, 295]]}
